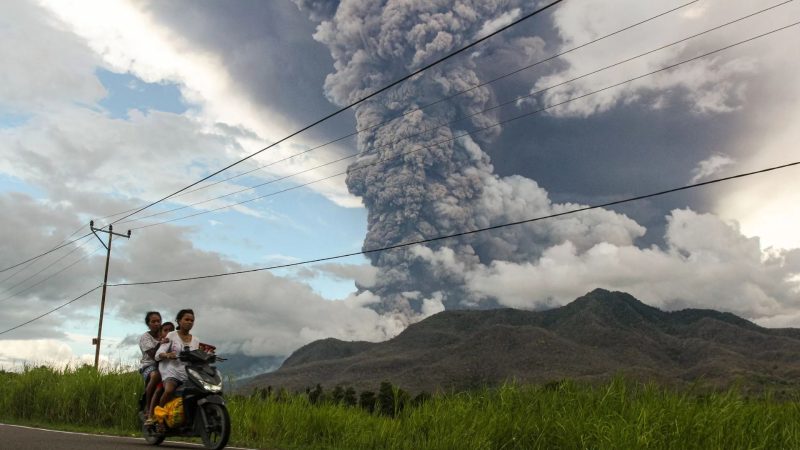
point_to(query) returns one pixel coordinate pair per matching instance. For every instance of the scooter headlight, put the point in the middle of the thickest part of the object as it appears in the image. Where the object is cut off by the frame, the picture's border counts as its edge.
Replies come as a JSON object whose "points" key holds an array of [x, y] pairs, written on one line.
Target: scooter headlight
{"points": [[206, 383]]}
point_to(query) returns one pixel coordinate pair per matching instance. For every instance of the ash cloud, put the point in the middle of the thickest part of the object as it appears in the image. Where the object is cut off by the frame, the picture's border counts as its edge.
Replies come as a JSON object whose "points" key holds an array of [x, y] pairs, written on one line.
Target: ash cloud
{"points": [[453, 187]]}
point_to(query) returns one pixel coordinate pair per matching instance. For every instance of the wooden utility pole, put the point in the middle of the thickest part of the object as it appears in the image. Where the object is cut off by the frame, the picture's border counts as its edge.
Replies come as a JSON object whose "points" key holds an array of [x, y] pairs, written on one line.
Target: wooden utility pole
{"points": [[110, 231]]}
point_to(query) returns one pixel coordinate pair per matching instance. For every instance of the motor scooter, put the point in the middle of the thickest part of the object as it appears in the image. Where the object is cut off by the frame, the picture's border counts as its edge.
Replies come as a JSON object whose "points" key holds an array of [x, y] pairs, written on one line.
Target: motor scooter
{"points": [[205, 413]]}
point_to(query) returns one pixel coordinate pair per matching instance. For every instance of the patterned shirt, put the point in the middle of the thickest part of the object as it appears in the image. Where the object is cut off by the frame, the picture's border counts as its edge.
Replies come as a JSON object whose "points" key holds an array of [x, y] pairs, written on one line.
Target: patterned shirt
{"points": [[147, 342]]}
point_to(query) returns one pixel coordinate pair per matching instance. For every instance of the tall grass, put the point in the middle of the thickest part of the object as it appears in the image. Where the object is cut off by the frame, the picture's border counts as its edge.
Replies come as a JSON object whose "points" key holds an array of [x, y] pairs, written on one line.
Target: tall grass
{"points": [[619, 414], [80, 397]]}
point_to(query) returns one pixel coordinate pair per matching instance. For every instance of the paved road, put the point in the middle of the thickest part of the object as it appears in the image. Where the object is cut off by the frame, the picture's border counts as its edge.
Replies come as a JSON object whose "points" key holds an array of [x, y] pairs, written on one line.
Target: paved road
{"points": [[26, 438]]}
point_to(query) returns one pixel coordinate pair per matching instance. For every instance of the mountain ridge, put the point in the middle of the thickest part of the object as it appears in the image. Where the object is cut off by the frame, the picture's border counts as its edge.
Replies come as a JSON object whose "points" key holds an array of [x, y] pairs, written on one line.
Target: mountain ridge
{"points": [[596, 336]]}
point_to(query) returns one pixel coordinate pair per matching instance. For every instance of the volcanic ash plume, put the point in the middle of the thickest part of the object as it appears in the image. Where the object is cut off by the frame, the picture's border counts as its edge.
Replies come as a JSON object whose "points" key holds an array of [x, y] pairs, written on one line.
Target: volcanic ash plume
{"points": [[413, 193]]}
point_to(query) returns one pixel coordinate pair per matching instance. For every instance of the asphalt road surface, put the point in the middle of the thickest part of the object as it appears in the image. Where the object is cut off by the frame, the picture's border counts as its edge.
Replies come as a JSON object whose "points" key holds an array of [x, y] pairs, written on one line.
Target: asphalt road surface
{"points": [[26, 438]]}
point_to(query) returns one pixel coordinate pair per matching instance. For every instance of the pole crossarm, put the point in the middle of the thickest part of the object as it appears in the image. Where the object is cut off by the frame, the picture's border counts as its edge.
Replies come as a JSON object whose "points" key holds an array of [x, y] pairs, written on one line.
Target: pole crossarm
{"points": [[110, 230]]}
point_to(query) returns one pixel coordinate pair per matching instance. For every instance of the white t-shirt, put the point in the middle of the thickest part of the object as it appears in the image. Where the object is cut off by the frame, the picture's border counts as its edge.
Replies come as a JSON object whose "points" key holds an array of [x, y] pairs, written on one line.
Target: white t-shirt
{"points": [[147, 342], [174, 368]]}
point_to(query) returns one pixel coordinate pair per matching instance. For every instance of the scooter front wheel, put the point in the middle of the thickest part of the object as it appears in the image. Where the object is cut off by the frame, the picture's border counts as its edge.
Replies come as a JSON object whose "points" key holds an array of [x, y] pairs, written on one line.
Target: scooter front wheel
{"points": [[215, 436]]}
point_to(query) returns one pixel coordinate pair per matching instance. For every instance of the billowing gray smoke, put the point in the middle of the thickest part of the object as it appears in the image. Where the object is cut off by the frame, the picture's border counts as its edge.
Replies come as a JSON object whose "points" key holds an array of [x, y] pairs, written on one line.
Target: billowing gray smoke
{"points": [[448, 188]]}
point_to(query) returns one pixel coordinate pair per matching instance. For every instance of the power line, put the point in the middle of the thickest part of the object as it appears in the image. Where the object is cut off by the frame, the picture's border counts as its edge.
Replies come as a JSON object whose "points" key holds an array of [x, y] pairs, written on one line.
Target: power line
{"points": [[389, 86], [52, 310], [370, 127], [63, 241], [464, 233], [24, 290], [446, 98], [419, 108], [77, 247], [421, 241], [379, 124], [46, 253], [364, 252], [417, 149], [357, 102], [444, 124], [18, 271]]}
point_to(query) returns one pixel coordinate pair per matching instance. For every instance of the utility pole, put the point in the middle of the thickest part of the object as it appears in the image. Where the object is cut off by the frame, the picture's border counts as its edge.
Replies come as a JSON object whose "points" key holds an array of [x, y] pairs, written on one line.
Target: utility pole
{"points": [[110, 231]]}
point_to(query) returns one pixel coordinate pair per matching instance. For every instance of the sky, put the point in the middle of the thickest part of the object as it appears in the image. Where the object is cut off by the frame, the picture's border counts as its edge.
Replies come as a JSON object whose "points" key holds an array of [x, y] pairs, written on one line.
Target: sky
{"points": [[107, 106]]}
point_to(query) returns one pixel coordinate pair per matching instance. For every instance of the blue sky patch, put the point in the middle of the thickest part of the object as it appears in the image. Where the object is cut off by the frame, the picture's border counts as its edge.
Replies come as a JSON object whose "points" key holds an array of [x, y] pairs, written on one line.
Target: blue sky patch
{"points": [[10, 120], [126, 92], [9, 183], [298, 225]]}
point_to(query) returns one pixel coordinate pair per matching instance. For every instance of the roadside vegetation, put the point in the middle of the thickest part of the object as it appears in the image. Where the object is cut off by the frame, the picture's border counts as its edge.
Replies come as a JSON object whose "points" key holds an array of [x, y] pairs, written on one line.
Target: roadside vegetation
{"points": [[618, 414]]}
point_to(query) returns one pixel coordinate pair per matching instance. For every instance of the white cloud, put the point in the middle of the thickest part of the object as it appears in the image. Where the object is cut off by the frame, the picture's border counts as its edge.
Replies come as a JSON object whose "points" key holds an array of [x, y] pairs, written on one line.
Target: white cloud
{"points": [[363, 274], [716, 84], [710, 166], [16, 354], [765, 205], [51, 352], [780, 321], [257, 314], [74, 152], [708, 263], [129, 40], [433, 305], [492, 25], [277, 258], [44, 64], [84, 150], [757, 80]]}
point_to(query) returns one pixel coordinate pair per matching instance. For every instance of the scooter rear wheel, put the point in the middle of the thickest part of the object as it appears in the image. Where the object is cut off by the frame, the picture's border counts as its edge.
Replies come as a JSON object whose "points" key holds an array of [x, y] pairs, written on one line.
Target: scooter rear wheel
{"points": [[150, 436]]}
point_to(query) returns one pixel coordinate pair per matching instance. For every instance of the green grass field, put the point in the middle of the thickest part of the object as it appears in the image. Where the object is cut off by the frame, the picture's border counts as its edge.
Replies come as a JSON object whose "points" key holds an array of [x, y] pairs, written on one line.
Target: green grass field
{"points": [[619, 414]]}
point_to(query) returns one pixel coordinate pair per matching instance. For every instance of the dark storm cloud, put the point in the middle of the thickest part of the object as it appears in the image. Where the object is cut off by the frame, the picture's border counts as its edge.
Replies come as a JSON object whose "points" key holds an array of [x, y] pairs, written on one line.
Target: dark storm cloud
{"points": [[617, 154], [318, 10], [266, 47]]}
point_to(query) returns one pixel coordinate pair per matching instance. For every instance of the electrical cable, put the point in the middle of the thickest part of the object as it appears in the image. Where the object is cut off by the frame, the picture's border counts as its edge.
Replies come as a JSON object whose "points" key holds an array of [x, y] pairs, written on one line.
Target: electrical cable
{"points": [[417, 242], [364, 252], [358, 131], [464, 233], [22, 291], [46, 253], [357, 102], [15, 273], [459, 119], [52, 310], [383, 89], [419, 108], [77, 247], [421, 241], [417, 149], [370, 127]]}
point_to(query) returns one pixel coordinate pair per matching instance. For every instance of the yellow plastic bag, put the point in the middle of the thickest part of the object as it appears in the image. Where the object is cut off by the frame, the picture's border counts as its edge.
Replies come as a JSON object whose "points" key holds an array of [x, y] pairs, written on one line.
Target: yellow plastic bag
{"points": [[171, 414]]}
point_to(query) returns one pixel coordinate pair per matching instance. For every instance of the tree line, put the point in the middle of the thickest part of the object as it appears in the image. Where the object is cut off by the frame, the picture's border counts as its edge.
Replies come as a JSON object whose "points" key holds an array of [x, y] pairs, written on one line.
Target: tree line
{"points": [[388, 401]]}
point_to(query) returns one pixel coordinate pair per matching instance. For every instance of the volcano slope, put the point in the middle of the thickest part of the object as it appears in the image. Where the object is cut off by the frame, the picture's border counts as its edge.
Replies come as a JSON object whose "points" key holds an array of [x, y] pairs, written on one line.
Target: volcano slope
{"points": [[593, 338]]}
